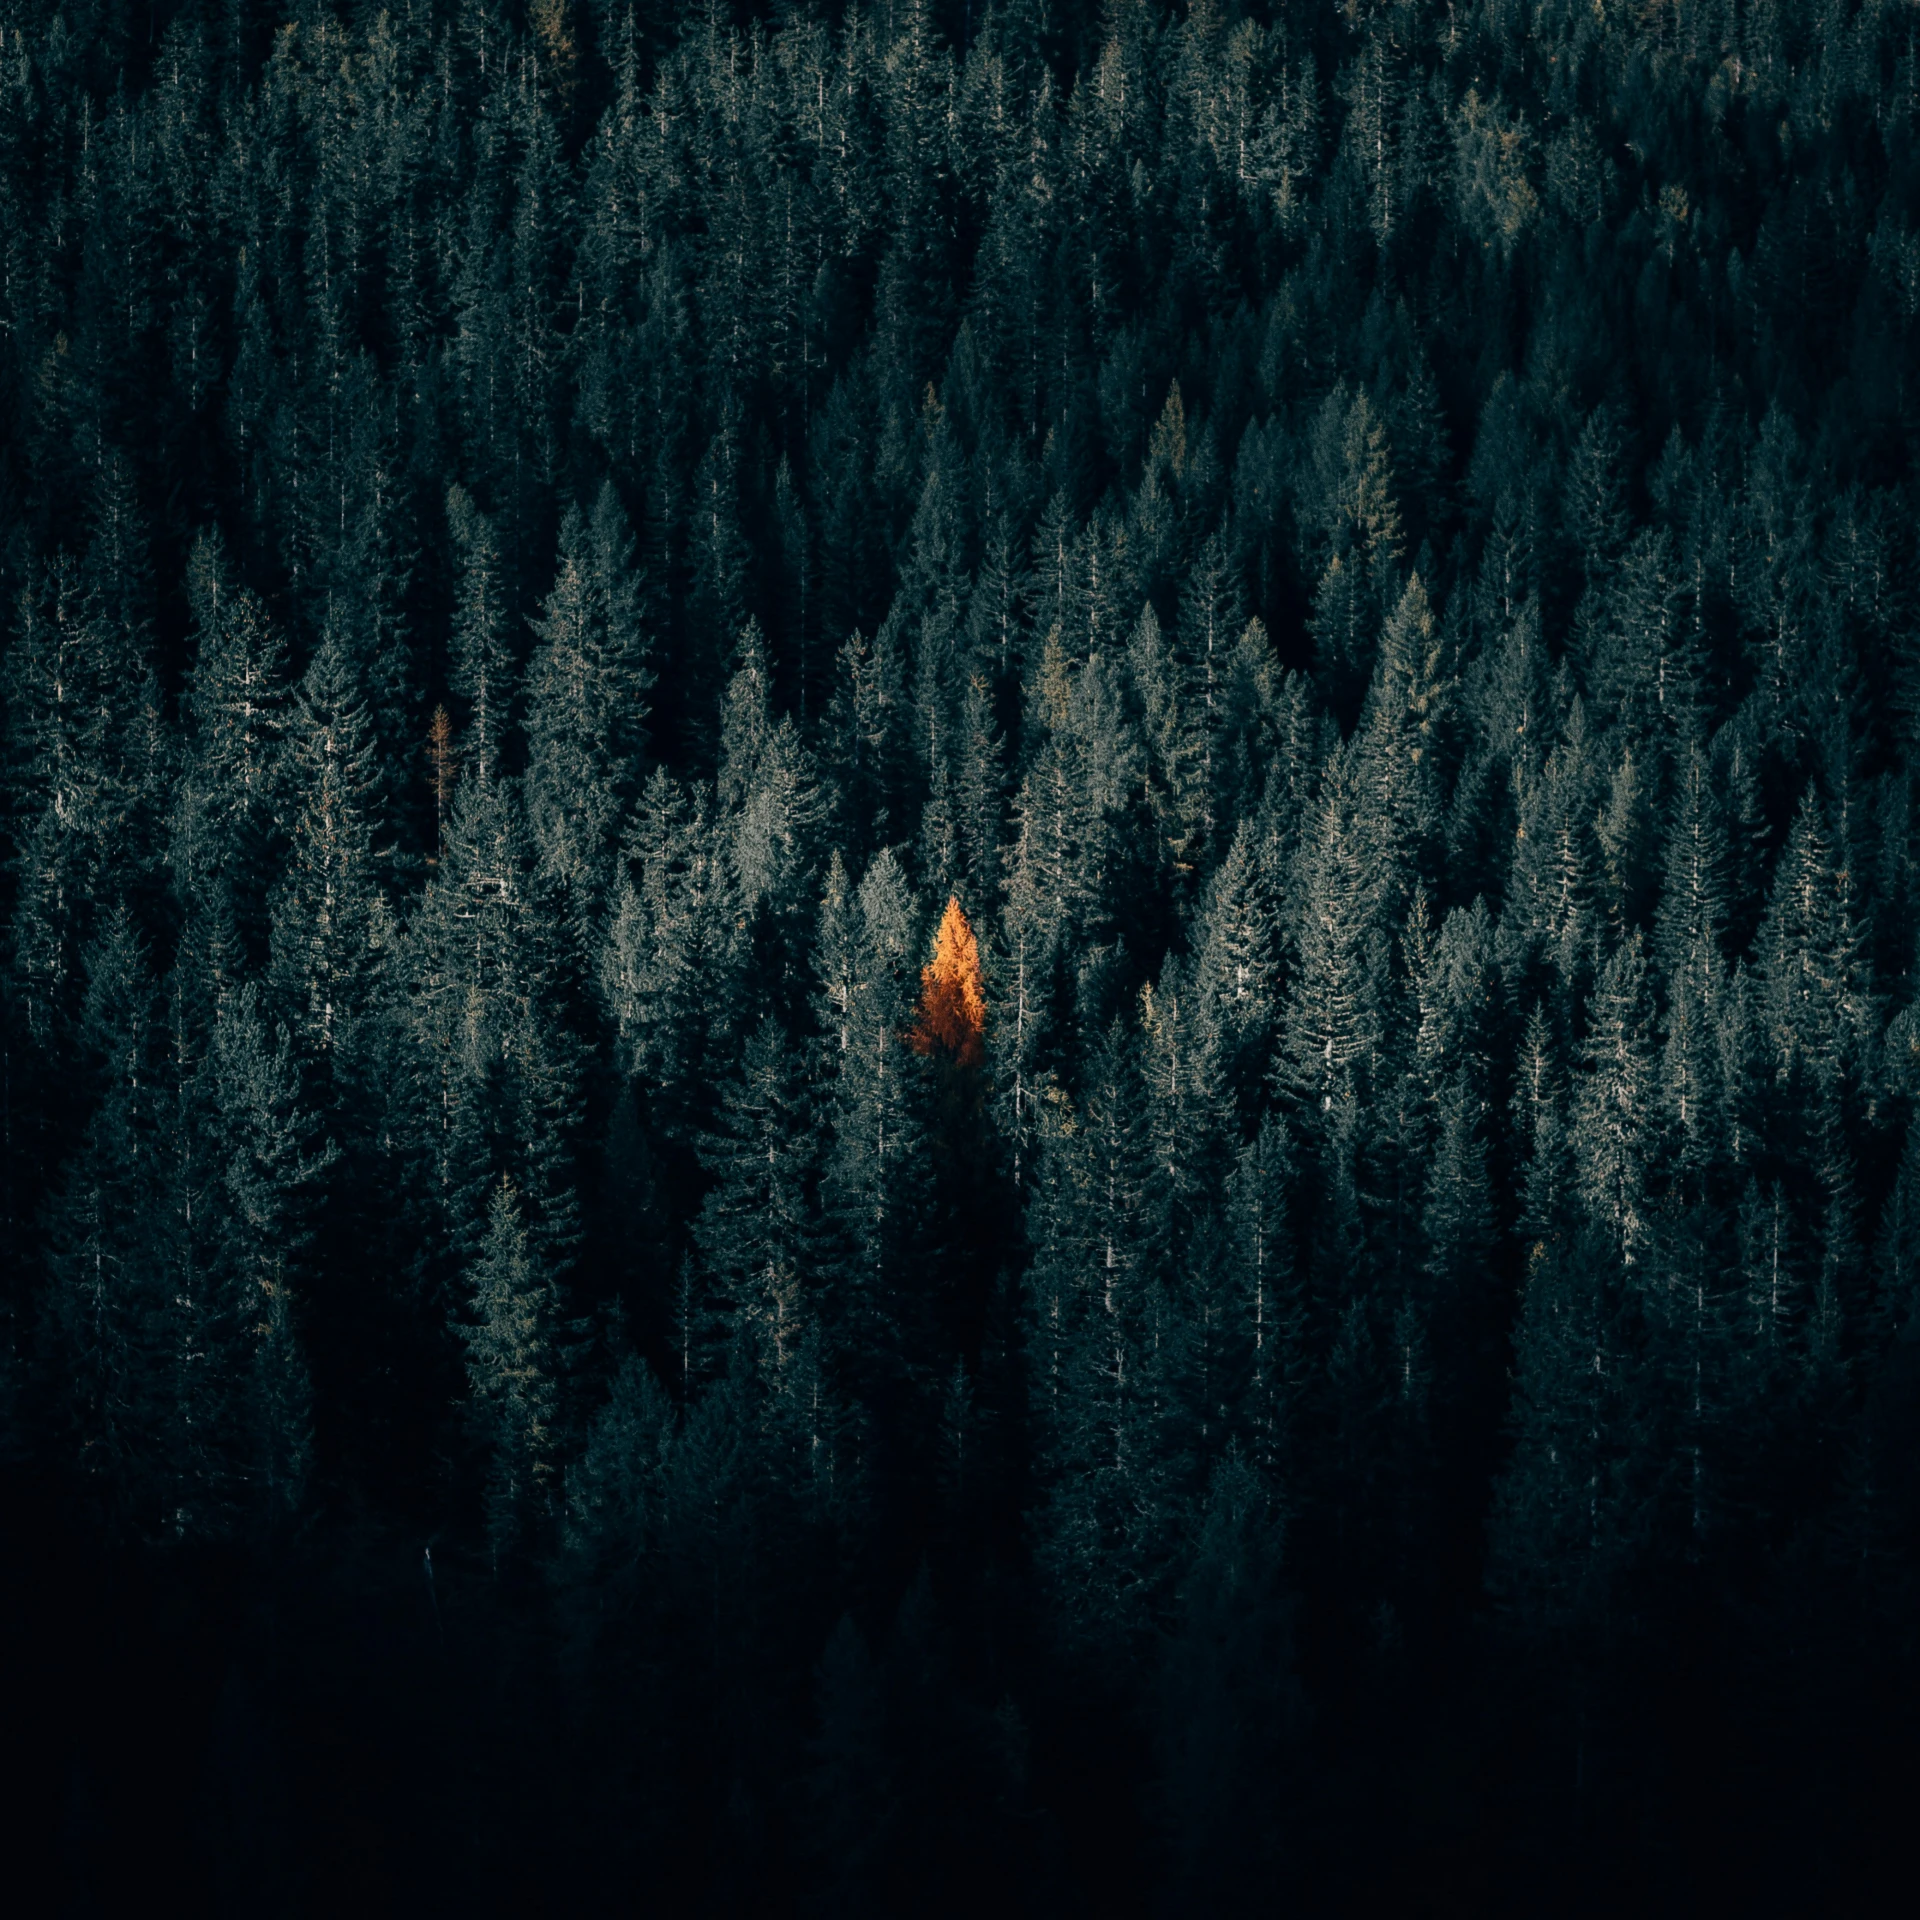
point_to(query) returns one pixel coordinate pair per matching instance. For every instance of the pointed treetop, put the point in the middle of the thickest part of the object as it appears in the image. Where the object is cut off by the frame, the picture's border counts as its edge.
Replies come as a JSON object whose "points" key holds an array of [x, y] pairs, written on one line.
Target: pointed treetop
{"points": [[1168, 445], [953, 1012]]}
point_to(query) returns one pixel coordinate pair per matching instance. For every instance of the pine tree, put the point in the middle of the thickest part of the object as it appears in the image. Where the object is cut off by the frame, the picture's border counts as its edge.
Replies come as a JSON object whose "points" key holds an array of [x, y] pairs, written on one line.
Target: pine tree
{"points": [[769, 794], [1188, 1114], [1201, 1364], [1068, 845], [1552, 881], [717, 600], [978, 799], [1259, 1217], [330, 926], [1255, 714], [1458, 1220], [669, 968], [869, 746], [113, 1301], [270, 1163], [509, 1338], [756, 1230], [1237, 941], [1540, 1122], [1211, 619], [495, 1061], [874, 1167], [1356, 527], [1332, 1022], [228, 809], [1688, 933], [583, 710], [1613, 1105], [1637, 673], [1089, 1290], [482, 656], [1569, 1512], [614, 1493], [1814, 1009], [1396, 775], [370, 584], [87, 757], [1596, 496], [1174, 725]]}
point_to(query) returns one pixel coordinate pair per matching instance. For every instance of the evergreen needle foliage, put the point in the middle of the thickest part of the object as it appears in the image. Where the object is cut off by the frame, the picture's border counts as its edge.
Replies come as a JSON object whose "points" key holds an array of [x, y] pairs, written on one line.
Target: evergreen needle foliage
{"points": [[961, 957]]}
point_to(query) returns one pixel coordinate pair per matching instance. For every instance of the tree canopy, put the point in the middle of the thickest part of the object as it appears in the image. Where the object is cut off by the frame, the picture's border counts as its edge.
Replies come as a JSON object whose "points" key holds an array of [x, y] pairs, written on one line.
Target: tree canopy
{"points": [[961, 954]]}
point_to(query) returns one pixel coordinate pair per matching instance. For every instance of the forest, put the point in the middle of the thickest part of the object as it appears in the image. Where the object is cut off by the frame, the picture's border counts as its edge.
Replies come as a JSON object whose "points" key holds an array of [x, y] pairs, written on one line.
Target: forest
{"points": [[957, 955]]}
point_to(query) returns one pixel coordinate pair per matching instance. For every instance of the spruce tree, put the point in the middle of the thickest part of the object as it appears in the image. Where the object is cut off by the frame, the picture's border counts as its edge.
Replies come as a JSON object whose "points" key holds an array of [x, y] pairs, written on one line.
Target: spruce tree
{"points": [[270, 1162], [1090, 1293], [481, 653], [757, 1230], [331, 930], [583, 702], [509, 1335], [229, 811], [1612, 1110], [874, 1173], [112, 1302]]}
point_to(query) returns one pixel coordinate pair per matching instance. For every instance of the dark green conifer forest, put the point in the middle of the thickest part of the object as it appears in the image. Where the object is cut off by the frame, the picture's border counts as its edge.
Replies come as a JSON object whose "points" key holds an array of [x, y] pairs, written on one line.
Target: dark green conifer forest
{"points": [[1339, 1333]]}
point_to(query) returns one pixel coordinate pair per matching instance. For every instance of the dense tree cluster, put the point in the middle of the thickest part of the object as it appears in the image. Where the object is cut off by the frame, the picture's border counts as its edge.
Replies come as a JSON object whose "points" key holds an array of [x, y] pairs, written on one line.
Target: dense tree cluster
{"points": [[1029, 892]]}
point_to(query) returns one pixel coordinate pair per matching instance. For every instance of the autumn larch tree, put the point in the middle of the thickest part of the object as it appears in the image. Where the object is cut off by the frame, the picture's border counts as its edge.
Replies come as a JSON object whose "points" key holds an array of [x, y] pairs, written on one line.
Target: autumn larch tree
{"points": [[971, 1193]]}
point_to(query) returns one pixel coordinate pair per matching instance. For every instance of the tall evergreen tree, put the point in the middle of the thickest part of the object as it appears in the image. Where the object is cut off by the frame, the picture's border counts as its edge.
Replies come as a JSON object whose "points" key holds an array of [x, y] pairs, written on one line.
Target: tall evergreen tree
{"points": [[330, 926], [874, 1175], [1090, 1294], [757, 1229], [481, 651], [228, 811], [510, 1365], [584, 708]]}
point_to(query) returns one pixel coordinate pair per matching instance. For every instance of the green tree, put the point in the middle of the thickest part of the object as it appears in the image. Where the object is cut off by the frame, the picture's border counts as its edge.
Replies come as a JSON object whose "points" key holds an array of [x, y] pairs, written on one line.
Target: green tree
{"points": [[584, 706], [1570, 1511], [1612, 1109], [331, 931], [1332, 1028], [1090, 1296], [509, 1336], [230, 798], [757, 1230], [874, 1175], [112, 1299], [269, 1159], [670, 968], [87, 753], [481, 653]]}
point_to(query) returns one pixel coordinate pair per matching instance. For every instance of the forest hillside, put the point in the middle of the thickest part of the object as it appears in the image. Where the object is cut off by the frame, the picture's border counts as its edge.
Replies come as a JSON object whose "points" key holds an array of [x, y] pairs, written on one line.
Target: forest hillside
{"points": [[960, 955]]}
